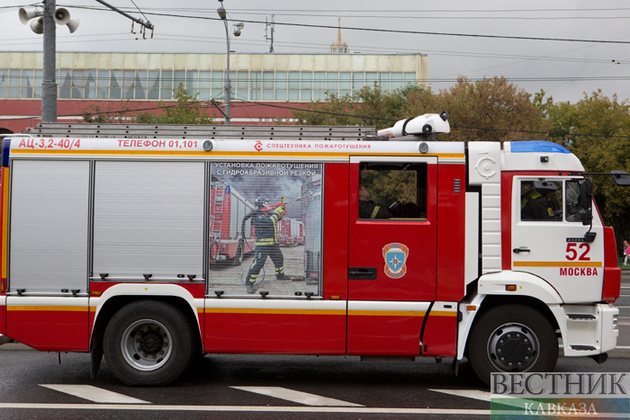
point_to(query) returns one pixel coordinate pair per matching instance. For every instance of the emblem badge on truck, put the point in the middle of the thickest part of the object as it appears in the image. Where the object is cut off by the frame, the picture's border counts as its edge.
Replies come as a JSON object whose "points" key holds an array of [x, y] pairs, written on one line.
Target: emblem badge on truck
{"points": [[395, 256]]}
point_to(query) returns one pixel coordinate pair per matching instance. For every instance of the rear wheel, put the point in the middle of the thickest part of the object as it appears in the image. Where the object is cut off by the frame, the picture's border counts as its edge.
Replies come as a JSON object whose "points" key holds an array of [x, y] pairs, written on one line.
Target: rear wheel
{"points": [[513, 338], [148, 343]]}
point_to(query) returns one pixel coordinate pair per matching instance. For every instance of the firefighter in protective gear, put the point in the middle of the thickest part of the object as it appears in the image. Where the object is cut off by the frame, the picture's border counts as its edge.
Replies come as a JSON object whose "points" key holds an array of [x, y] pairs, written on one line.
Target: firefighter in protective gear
{"points": [[367, 208], [537, 203], [265, 221]]}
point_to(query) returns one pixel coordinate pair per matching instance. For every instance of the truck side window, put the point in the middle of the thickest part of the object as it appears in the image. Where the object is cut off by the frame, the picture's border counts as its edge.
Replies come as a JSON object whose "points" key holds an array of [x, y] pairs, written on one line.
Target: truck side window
{"points": [[541, 200], [572, 202], [393, 191]]}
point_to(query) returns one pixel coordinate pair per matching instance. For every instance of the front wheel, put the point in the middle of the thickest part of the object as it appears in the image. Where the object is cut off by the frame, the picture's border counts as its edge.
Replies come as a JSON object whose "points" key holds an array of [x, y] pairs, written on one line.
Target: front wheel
{"points": [[513, 338], [148, 343]]}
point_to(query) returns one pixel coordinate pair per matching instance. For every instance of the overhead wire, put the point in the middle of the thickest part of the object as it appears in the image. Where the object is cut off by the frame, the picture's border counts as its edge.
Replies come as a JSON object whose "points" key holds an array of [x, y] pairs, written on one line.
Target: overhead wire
{"points": [[384, 30]]}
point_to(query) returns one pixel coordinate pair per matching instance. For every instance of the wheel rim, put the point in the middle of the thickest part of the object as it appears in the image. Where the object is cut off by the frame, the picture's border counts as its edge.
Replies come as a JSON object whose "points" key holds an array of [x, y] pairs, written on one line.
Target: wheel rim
{"points": [[146, 345], [513, 347]]}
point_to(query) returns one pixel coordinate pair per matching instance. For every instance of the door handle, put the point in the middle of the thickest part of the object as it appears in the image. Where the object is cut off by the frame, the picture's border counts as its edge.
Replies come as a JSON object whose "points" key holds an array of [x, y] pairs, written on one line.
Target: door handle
{"points": [[362, 273], [521, 249]]}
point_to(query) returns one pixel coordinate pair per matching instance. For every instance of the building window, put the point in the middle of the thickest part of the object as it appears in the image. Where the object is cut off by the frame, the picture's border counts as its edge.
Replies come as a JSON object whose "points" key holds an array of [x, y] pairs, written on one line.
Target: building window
{"points": [[90, 84], [166, 85], [37, 90], [65, 82], [397, 80], [192, 82], [157, 84], [319, 86], [345, 83], [268, 85], [255, 83], [410, 78], [332, 82], [154, 85], [4, 81], [204, 85], [294, 86], [306, 86], [383, 80], [242, 85], [179, 79], [140, 84], [281, 86], [128, 79], [217, 84], [358, 82], [102, 80], [27, 83], [115, 83]]}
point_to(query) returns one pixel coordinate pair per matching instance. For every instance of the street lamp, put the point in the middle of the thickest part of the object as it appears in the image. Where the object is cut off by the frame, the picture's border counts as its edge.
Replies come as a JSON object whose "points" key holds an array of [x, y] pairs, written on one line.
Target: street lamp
{"points": [[228, 84]]}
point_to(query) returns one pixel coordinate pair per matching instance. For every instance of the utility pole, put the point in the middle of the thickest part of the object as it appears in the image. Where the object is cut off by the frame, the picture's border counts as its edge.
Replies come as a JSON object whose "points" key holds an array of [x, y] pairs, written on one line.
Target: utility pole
{"points": [[269, 38], [228, 83], [49, 83]]}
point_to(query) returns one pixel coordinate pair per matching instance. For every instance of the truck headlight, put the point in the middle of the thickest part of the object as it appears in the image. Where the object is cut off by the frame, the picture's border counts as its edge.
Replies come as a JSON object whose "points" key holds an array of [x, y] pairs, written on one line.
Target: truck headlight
{"points": [[615, 327]]}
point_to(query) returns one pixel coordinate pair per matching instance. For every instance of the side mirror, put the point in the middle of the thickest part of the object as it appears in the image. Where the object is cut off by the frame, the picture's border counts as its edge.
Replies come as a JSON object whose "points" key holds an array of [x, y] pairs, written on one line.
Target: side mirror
{"points": [[586, 200], [620, 178]]}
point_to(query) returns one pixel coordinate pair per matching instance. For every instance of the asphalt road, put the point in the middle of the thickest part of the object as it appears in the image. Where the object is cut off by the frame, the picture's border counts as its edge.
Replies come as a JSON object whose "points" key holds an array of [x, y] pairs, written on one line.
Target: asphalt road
{"points": [[623, 303], [34, 385]]}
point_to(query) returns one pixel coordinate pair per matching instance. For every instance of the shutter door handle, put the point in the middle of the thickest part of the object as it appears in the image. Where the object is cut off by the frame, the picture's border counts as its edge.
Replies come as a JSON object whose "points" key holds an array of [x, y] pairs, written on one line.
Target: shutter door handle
{"points": [[521, 249]]}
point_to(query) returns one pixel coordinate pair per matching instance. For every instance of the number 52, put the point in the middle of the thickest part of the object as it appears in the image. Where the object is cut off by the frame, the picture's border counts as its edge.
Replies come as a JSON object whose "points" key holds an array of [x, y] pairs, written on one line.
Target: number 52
{"points": [[572, 252]]}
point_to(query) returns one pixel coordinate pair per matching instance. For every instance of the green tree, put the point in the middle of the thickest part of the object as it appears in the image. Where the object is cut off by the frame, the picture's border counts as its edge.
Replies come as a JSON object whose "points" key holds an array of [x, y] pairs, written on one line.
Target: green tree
{"points": [[484, 110], [369, 106], [187, 109], [597, 130], [94, 114]]}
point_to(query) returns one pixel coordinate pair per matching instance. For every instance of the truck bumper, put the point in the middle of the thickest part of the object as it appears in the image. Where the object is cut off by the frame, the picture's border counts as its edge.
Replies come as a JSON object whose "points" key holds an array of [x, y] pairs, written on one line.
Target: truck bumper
{"points": [[587, 329]]}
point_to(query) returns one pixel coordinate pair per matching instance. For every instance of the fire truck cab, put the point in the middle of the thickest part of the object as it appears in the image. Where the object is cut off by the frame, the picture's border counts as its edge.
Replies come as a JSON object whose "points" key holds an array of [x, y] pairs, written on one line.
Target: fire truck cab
{"points": [[412, 247]]}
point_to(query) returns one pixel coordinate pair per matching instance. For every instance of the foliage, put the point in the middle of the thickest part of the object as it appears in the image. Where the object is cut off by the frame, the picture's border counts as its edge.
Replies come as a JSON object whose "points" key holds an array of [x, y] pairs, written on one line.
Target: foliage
{"points": [[488, 109], [484, 110], [388, 186], [187, 109], [94, 114], [370, 106]]}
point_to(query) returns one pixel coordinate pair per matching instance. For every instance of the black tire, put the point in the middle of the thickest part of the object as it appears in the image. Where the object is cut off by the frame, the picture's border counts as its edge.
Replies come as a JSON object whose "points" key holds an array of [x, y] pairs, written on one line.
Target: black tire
{"points": [[240, 254], [162, 353], [514, 338]]}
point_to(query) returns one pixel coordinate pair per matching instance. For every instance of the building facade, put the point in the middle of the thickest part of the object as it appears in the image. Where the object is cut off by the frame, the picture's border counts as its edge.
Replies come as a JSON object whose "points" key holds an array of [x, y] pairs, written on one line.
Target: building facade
{"points": [[264, 86]]}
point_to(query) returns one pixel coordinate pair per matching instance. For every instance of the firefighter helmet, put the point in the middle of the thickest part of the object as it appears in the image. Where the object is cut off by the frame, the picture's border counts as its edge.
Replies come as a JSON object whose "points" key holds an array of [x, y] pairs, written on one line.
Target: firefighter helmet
{"points": [[261, 202]]}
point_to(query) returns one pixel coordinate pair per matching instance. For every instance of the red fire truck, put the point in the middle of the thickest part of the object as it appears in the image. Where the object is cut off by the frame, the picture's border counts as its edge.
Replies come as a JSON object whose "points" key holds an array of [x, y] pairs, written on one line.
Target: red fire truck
{"points": [[290, 232], [227, 209], [494, 253]]}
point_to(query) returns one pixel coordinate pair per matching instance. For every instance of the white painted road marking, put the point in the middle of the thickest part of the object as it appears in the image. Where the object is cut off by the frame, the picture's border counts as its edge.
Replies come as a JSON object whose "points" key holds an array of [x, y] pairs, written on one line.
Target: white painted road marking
{"points": [[253, 409], [296, 396], [98, 395], [466, 393]]}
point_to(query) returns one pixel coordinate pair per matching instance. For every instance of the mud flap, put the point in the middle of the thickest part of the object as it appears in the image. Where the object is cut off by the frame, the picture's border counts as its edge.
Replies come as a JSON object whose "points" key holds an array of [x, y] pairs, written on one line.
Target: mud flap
{"points": [[96, 358]]}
